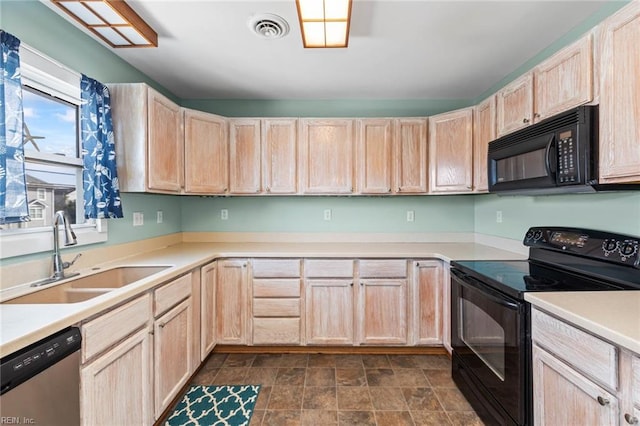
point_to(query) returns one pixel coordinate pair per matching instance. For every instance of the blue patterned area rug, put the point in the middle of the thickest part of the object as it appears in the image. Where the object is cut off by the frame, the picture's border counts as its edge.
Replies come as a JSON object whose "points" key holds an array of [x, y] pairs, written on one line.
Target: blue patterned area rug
{"points": [[215, 405]]}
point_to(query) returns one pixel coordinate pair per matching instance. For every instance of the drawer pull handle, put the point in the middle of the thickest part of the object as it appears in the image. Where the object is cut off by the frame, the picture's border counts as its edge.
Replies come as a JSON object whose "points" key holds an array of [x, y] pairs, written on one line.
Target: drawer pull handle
{"points": [[632, 420], [525, 120], [603, 401]]}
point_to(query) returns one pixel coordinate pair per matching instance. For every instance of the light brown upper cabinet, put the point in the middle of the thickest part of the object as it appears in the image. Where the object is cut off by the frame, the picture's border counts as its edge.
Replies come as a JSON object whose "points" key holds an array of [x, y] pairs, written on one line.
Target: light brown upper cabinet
{"points": [[620, 96], [326, 156], [206, 151], [280, 155], [410, 154], [149, 139], [451, 151], [244, 156], [514, 105], [484, 131], [374, 139], [563, 81]]}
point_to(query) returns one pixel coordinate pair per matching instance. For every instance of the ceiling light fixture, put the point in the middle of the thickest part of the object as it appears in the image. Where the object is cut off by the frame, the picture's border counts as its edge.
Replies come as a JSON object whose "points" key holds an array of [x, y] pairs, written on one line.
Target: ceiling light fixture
{"points": [[324, 23], [113, 21]]}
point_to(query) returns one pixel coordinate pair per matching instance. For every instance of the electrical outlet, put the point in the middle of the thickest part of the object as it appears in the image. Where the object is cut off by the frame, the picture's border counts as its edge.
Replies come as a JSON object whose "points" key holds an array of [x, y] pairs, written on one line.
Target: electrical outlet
{"points": [[498, 216], [159, 216], [138, 219], [327, 214], [224, 214], [411, 215]]}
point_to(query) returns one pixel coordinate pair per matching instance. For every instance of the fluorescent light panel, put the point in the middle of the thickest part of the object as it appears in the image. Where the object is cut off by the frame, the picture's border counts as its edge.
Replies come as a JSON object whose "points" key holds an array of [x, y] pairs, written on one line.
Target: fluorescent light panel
{"points": [[324, 23], [112, 21]]}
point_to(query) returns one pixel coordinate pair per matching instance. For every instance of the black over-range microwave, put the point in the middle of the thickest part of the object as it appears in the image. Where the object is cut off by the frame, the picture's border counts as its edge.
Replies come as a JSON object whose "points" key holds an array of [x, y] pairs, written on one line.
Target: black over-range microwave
{"points": [[556, 155]]}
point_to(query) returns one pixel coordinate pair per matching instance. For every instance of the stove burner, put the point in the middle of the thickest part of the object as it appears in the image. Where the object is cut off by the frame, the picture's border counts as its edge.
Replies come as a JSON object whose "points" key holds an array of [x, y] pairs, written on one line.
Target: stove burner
{"points": [[537, 283]]}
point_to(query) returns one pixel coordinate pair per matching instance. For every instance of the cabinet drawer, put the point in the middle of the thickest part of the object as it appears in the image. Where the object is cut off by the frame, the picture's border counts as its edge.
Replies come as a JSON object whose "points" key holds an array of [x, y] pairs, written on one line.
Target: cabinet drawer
{"points": [[274, 331], [276, 268], [596, 358], [328, 268], [110, 328], [383, 268], [276, 288], [635, 366], [171, 294], [276, 307]]}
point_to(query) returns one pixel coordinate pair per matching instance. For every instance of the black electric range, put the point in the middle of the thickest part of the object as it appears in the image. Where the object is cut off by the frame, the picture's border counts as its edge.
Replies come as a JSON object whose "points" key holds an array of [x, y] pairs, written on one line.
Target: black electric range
{"points": [[490, 320]]}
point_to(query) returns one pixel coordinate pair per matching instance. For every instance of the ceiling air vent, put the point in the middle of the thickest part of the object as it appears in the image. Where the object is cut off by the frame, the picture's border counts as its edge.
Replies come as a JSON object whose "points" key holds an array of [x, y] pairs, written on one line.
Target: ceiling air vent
{"points": [[269, 26]]}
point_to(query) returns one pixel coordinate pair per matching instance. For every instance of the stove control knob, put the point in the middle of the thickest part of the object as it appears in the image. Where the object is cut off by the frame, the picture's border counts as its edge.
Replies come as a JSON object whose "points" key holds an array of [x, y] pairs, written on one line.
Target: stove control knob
{"points": [[529, 235], [629, 248], [609, 246], [537, 235]]}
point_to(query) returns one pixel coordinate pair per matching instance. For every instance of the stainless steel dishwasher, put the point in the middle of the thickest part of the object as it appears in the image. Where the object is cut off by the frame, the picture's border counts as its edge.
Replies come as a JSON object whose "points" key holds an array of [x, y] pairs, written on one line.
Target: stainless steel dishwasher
{"points": [[41, 383]]}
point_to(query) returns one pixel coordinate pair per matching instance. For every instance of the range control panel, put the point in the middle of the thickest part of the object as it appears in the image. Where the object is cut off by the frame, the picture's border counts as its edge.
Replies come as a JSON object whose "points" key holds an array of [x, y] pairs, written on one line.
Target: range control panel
{"points": [[618, 248]]}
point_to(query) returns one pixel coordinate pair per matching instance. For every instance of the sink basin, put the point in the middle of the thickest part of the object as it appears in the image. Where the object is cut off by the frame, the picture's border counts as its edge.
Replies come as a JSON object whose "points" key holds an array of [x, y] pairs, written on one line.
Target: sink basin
{"points": [[88, 287]]}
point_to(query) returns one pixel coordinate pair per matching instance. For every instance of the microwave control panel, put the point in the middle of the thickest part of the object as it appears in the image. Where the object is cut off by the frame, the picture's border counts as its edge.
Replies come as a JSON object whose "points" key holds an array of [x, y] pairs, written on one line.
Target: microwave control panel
{"points": [[567, 158]]}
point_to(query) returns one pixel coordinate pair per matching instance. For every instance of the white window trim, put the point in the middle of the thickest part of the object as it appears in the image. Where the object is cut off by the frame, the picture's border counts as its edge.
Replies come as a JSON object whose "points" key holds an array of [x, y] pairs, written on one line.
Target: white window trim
{"points": [[46, 74], [43, 192]]}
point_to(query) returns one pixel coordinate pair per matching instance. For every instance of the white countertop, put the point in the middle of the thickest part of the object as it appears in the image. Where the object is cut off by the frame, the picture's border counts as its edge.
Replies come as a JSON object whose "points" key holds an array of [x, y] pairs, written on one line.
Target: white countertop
{"points": [[21, 325], [612, 315]]}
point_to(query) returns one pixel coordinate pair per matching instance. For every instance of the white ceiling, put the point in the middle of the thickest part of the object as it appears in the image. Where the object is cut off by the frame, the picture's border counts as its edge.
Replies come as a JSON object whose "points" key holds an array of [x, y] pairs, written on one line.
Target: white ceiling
{"points": [[397, 49]]}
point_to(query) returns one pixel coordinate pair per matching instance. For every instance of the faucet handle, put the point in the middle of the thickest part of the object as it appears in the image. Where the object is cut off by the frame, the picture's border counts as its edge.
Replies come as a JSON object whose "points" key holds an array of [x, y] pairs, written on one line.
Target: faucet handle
{"points": [[65, 265]]}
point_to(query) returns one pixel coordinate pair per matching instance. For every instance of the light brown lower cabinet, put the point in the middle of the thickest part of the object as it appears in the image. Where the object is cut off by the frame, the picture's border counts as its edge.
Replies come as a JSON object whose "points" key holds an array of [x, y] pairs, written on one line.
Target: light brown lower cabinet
{"points": [[427, 300], [137, 356], [329, 311], [207, 309], [382, 310], [231, 302], [579, 378], [117, 388], [172, 353]]}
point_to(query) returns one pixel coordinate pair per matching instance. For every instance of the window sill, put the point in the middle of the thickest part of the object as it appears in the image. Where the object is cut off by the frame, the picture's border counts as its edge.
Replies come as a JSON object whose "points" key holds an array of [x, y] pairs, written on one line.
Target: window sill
{"points": [[31, 242]]}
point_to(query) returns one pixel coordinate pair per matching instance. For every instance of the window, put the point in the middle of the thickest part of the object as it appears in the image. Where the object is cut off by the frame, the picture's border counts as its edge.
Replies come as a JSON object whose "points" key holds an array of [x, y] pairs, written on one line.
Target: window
{"points": [[51, 103]]}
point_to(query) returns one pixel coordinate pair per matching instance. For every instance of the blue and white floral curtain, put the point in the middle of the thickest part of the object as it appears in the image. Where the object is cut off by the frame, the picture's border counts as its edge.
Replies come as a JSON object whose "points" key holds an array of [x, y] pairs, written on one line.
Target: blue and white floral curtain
{"points": [[13, 188], [100, 176]]}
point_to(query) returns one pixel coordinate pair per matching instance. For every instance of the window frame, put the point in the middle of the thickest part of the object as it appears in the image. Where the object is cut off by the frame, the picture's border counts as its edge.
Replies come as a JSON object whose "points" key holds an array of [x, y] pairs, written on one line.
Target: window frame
{"points": [[45, 74]]}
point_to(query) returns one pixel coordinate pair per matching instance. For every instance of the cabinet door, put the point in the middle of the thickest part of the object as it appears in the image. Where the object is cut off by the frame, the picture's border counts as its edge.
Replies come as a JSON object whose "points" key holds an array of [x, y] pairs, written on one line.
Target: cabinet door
{"points": [[165, 144], [244, 156], [382, 310], [207, 309], [280, 155], [514, 105], [565, 80], [116, 387], [620, 96], [484, 131], [427, 302], [206, 153], [561, 396], [451, 151], [410, 144], [374, 156], [231, 302], [172, 353], [326, 156], [329, 312]]}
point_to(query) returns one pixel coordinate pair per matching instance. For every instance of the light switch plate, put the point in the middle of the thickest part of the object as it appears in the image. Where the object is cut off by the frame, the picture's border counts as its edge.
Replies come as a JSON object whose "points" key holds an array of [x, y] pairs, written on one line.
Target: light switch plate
{"points": [[224, 214]]}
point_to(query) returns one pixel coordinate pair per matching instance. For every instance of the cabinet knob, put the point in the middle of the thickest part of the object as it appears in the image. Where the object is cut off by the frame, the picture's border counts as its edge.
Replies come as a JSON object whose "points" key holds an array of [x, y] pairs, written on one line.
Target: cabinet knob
{"points": [[603, 401], [161, 325], [536, 115], [399, 189], [632, 420], [268, 189], [525, 120], [351, 285], [388, 189]]}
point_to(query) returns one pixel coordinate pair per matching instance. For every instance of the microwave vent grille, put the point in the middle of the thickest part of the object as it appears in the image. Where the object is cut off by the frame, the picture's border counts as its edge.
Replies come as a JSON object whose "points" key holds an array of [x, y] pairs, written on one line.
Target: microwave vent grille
{"points": [[549, 125]]}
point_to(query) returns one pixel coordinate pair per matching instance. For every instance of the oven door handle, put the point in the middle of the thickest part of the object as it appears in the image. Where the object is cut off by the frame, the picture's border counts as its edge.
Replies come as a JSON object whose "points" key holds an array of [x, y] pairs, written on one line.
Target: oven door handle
{"points": [[491, 294]]}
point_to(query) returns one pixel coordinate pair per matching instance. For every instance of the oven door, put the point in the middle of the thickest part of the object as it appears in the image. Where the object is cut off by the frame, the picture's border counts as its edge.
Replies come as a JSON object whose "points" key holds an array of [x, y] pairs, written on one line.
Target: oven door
{"points": [[489, 341]]}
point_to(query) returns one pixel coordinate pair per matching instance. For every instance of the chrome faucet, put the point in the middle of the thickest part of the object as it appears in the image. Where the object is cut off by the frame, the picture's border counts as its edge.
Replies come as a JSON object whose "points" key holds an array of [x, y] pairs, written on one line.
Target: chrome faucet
{"points": [[60, 217]]}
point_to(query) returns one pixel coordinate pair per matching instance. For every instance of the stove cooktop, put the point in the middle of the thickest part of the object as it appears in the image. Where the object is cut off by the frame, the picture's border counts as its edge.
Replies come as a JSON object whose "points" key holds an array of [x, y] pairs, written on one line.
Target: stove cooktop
{"points": [[515, 277]]}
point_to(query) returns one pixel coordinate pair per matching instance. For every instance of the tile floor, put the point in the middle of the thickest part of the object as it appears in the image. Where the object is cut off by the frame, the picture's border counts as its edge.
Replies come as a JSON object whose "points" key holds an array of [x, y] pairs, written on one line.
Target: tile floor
{"points": [[362, 390]]}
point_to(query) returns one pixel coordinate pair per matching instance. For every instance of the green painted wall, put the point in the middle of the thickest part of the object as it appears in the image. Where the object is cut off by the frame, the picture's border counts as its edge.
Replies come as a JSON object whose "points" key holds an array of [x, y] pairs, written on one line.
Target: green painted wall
{"points": [[349, 214], [326, 108], [609, 211]]}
